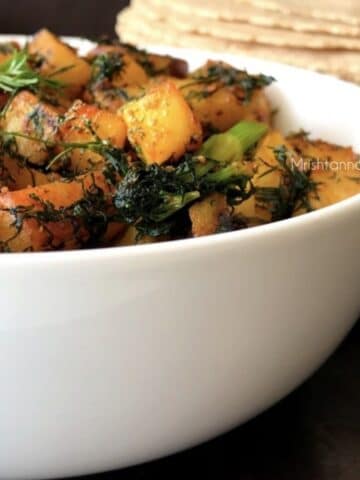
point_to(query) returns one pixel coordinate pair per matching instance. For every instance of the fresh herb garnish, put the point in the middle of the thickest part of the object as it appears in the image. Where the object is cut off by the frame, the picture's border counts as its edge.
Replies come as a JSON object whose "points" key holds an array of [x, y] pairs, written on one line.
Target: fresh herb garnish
{"points": [[226, 76], [16, 74], [105, 66], [149, 195], [293, 191]]}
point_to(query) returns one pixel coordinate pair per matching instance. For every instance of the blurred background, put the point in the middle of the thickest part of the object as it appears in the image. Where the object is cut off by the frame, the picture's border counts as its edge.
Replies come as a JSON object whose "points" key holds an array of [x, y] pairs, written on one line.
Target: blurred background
{"points": [[89, 18]]}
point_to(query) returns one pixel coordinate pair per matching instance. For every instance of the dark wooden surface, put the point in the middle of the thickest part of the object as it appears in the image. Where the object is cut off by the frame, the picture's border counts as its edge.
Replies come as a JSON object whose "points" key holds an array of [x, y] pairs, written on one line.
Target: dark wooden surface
{"points": [[314, 434]]}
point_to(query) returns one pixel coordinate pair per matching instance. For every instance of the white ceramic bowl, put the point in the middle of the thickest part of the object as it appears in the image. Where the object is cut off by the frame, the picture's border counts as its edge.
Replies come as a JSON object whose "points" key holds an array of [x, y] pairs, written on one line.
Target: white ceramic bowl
{"points": [[113, 357]]}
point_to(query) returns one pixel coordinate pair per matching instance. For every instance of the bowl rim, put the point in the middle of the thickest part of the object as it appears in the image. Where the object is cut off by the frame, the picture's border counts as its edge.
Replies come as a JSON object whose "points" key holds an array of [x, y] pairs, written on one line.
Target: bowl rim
{"points": [[190, 245]]}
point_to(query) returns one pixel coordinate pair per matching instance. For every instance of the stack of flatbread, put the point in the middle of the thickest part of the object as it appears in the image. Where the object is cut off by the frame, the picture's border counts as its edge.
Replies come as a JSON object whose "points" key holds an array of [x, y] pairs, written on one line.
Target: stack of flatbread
{"points": [[320, 34]]}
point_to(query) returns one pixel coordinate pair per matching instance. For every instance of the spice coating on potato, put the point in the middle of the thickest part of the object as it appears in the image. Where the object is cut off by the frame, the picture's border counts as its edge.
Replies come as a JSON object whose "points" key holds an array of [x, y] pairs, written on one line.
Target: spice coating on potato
{"points": [[60, 61], [161, 126], [335, 170], [14, 175], [84, 123], [27, 115], [267, 174], [221, 96], [205, 215], [35, 219]]}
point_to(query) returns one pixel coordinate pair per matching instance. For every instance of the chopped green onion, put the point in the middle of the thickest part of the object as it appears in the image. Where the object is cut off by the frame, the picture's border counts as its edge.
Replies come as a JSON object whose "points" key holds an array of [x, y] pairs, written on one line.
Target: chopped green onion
{"points": [[230, 146]]}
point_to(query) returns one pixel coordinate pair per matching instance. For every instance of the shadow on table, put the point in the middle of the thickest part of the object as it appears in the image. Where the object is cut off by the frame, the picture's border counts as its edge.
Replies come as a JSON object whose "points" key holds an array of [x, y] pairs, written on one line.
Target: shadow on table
{"points": [[314, 434]]}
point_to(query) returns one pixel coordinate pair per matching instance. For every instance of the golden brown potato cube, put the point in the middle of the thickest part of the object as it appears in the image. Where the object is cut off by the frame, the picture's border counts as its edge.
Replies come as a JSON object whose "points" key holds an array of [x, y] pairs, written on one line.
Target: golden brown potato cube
{"points": [[116, 78], [335, 171], [152, 63], [112, 63], [56, 56], [220, 103], [14, 175], [206, 214], [268, 174], [131, 237], [222, 110], [132, 74], [82, 124], [29, 116], [161, 125]]}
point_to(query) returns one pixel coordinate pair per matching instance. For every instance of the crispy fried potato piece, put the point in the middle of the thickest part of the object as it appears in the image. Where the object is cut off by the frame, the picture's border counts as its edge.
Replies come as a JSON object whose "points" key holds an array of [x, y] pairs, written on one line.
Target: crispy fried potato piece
{"points": [[219, 106], [29, 116], [82, 124], [205, 215], [152, 63], [335, 170], [60, 61], [268, 173], [130, 237], [116, 78], [21, 232], [15, 175], [161, 126]]}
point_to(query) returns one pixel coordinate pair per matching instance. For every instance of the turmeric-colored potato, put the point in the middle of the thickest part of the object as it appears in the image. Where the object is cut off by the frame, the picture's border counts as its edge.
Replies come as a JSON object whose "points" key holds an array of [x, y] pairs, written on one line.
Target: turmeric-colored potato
{"points": [[161, 125], [113, 63], [268, 173], [205, 215], [131, 237], [60, 61], [14, 175], [82, 124], [221, 110], [220, 105], [116, 77], [25, 226], [152, 63], [29, 116], [132, 74], [335, 171]]}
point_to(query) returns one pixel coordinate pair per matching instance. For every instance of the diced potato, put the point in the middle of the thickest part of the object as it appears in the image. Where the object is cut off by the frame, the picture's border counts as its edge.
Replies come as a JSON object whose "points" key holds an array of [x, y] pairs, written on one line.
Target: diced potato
{"points": [[82, 124], [220, 106], [58, 57], [268, 173], [48, 232], [14, 175], [335, 171], [29, 116], [152, 63], [130, 71], [221, 110], [206, 214], [130, 237], [161, 125], [116, 78]]}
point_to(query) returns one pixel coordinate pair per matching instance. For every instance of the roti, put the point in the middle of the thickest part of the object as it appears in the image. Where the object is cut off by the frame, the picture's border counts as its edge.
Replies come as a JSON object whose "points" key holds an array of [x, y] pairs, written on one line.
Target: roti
{"points": [[135, 29], [346, 11], [243, 32], [228, 10]]}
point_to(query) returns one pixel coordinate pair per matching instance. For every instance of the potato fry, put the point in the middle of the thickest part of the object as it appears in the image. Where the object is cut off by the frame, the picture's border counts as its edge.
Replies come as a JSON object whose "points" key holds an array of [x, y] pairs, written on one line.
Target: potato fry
{"points": [[161, 125]]}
